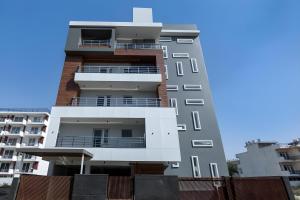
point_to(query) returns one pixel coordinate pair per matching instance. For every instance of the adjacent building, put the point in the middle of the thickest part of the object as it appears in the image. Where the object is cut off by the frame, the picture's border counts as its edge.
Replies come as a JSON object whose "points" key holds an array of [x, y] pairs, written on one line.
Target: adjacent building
{"points": [[21, 128], [134, 98], [269, 158]]}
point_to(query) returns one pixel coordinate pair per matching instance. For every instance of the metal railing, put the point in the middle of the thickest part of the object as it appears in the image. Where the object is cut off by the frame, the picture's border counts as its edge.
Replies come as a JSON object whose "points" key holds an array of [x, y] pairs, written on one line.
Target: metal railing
{"points": [[115, 102], [119, 69], [95, 43], [138, 46], [100, 142]]}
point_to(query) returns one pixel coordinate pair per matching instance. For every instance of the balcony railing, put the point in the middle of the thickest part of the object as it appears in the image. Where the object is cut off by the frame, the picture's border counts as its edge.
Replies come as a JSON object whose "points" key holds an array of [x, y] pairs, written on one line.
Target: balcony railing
{"points": [[95, 43], [100, 142], [120, 69], [138, 46], [115, 102]]}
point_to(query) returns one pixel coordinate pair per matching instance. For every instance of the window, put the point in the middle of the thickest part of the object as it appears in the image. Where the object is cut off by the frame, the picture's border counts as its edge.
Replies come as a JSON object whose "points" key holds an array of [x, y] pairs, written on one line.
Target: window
{"points": [[25, 167], [31, 142], [195, 166], [214, 170], [185, 41], [15, 130], [11, 141], [8, 154], [126, 133], [34, 130], [18, 119], [1, 129], [181, 127], [181, 55], [194, 102], [37, 119], [172, 87], [166, 72], [179, 68], [4, 167], [173, 104], [202, 143], [165, 39], [192, 87], [2, 119], [194, 65], [175, 165], [165, 51], [196, 120], [27, 156], [285, 155], [127, 100], [289, 168]]}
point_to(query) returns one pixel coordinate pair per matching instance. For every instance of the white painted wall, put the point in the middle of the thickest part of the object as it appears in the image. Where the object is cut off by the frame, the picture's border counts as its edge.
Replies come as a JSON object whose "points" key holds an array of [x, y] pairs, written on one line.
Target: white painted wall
{"points": [[162, 142]]}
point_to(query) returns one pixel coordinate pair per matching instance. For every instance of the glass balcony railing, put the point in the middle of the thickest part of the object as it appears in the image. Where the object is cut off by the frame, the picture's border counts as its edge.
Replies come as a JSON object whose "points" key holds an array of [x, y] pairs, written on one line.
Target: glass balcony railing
{"points": [[95, 43], [100, 142], [119, 69], [115, 102]]}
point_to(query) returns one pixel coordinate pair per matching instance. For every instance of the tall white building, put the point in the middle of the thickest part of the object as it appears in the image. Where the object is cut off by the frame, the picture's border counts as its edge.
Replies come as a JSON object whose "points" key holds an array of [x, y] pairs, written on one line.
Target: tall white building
{"points": [[21, 128]]}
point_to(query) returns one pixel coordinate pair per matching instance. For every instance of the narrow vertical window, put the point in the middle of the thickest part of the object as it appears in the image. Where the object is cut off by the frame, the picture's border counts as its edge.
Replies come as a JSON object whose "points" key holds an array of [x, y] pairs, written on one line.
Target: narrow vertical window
{"points": [[214, 170], [196, 167], [196, 120], [165, 51], [194, 65], [179, 68], [166, 72], [173, 104]]}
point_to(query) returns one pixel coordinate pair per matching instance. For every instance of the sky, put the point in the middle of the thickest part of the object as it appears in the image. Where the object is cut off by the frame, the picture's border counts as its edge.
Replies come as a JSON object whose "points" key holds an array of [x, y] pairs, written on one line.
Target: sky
{"points": [[251, 50]]}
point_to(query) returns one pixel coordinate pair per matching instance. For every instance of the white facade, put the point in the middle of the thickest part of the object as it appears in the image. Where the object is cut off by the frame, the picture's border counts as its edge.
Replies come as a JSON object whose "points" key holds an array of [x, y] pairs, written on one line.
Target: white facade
{"points": [[21, 128], [159, 129]]}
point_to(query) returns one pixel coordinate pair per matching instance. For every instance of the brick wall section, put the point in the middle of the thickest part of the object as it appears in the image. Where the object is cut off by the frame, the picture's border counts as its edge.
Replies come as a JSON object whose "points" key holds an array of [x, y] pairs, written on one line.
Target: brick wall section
{"points": [[162, 89], [67, 87]]}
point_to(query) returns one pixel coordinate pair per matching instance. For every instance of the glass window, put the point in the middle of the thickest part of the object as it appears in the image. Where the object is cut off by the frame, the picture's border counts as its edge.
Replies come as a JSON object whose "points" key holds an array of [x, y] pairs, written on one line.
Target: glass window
{"points": [[181, 55], [194, 102], [194, 65], [173, 104], [192, 87], [126, 133], [37, 119], [214, 170], [127, 100], [179, 68], [165, 51], [202, 143], [15, 130], [196, 120], [25, 167], [31, 142], [195, 166], [185, 41], [34, 130], [4, 167], [18, 119]]}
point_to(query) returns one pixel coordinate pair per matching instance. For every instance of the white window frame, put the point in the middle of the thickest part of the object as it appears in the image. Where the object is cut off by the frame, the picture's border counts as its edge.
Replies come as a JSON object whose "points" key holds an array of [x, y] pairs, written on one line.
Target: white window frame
{"points": [[179, 68], [175, 165], [173, 104], [192, 87], [169, 87], [183, 55], [165, 39], [194, 102], [181, 127], [194, 65], [185, 41], [194, 143], [213, 166], [196, 120], [165, 51], [196, 167], [166, 72]]}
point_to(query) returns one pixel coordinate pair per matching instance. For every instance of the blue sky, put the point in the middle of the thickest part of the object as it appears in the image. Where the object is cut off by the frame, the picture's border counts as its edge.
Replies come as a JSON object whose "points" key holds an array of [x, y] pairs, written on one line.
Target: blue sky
{"points": [[251, 49]]}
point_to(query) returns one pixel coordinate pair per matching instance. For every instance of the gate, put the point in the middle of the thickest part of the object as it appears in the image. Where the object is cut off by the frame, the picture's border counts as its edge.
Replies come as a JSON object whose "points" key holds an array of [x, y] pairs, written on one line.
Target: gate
{"points": [[44, 188], [120, 187]]}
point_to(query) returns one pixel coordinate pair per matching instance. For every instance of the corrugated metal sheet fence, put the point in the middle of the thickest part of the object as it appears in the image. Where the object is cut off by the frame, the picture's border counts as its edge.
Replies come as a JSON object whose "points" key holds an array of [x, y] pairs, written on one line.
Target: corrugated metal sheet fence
{"points": [[44, 188]]}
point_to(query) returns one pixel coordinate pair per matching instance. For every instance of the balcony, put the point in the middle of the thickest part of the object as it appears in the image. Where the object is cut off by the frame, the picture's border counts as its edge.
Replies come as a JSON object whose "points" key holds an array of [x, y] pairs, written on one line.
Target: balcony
{"points": [[118, 77], [101, 142], [95, 43], [115, 102], [137, 46], [34, 134], [10, 133], [16, 121]]}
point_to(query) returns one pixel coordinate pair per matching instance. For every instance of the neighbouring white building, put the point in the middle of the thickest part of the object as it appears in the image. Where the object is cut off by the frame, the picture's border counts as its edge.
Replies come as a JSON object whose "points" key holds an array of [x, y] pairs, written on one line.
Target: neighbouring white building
{"points": [[21, 128], [270, 158]]}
